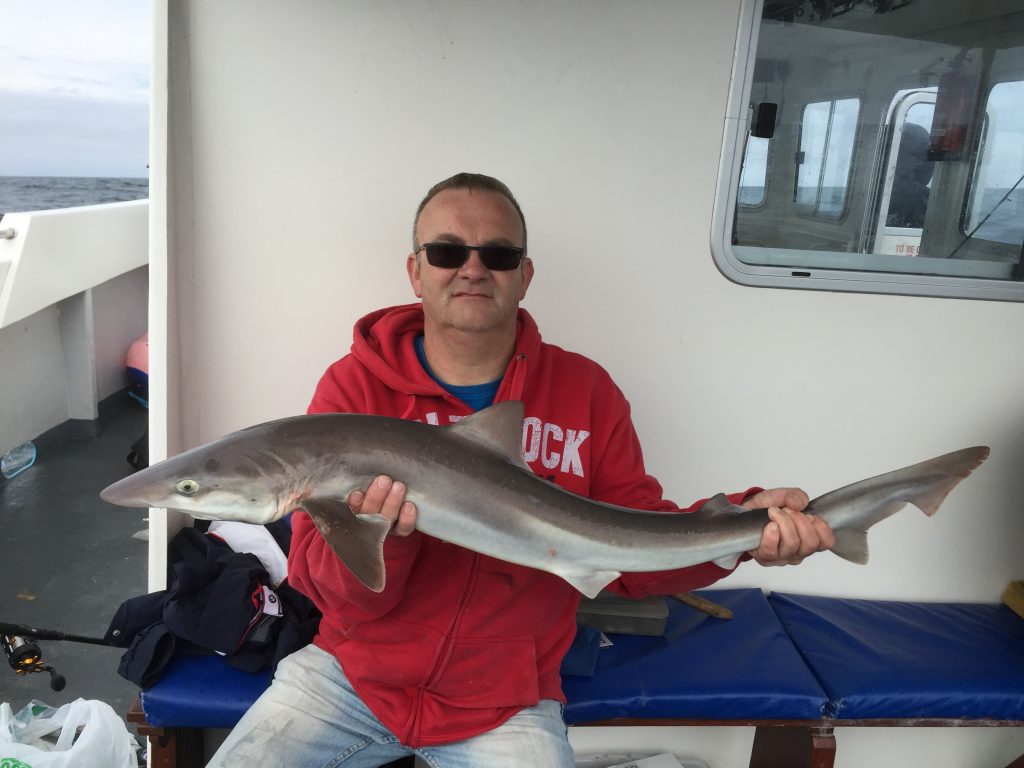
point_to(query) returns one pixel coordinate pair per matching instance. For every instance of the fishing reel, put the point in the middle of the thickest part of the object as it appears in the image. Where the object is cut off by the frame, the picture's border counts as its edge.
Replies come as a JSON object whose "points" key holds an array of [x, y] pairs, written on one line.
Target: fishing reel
{"points": [[25, 658], [24, 655]]}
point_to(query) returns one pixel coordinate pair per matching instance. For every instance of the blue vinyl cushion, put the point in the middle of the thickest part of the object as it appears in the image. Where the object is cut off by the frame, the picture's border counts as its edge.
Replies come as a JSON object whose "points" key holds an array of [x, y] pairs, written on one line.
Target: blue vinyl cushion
{"points": [[704, 668], [202, 692], [885, 659]]}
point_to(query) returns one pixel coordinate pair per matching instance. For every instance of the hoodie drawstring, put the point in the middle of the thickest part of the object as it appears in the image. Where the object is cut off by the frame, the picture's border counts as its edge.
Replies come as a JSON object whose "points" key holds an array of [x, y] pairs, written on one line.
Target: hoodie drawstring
{"points": [[410, 407], [519, 371]]}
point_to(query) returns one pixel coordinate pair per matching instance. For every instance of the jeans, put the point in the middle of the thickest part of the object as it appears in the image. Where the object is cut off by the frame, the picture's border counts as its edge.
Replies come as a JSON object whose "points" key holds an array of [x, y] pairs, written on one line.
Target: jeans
{"points": [[310, 717]]}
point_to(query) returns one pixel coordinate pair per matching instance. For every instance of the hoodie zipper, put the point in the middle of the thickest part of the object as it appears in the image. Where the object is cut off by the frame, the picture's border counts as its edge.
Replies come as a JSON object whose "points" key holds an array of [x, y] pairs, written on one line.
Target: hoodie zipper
{"points": [[446, 649], [444, 656], [516, 386]]}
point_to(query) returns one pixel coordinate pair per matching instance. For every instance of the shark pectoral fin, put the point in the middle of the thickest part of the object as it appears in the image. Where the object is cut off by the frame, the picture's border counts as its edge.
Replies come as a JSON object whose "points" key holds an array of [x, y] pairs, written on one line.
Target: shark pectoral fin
{"points": [[357, 540], [589, 583], [852, 544]]}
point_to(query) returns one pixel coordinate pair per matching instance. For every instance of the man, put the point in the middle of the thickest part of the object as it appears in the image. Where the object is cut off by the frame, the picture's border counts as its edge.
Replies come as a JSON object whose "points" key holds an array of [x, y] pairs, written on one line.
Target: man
{"points": [[458, 658], [908, 199]]}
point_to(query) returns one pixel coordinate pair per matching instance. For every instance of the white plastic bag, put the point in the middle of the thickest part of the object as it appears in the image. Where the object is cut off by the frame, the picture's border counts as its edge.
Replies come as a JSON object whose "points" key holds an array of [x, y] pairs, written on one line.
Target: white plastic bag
{"points": [[89, 734]]}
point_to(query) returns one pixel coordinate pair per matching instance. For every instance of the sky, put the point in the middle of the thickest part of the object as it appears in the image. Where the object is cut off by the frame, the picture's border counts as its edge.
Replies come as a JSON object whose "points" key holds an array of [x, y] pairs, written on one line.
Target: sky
{"points": [[74, 87]]}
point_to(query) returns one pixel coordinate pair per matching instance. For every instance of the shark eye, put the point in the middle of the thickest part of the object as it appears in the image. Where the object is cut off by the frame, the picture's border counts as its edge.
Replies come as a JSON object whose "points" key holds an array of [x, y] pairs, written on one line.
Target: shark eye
{"points": [[187, 487]]}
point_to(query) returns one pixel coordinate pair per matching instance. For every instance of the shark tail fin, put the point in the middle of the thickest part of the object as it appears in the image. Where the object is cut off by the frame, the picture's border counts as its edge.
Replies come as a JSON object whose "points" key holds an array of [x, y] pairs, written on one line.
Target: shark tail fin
{"points": [[358, 540], [926, 486], [949, 470]]}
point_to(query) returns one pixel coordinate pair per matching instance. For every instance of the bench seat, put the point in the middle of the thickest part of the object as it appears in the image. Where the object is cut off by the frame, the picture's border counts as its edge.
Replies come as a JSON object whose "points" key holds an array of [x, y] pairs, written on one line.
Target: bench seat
{"points": [[794, 666], [745, 668], [886, 659], [202, 692]]}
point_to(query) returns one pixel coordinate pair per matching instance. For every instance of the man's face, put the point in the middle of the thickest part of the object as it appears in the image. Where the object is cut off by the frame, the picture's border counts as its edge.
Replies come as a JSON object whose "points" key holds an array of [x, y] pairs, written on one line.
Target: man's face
{"points": [[472, 297]]}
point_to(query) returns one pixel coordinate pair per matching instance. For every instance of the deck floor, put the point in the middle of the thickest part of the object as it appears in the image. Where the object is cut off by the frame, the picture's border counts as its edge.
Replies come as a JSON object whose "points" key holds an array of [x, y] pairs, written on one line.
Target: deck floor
{"points": [[68, 560]]}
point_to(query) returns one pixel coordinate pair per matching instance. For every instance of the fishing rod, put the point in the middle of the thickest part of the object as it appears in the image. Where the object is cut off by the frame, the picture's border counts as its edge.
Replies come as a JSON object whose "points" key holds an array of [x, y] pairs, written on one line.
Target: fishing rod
{"points": [[26, 658]]}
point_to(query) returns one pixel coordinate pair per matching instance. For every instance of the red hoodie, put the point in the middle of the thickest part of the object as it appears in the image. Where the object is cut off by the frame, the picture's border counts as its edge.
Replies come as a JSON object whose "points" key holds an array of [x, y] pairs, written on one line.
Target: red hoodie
{"points": [[458, 642]]}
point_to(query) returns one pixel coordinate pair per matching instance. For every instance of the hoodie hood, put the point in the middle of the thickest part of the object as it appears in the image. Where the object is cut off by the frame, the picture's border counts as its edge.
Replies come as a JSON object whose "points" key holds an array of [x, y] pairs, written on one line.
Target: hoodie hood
{"points": [[383, 341]]}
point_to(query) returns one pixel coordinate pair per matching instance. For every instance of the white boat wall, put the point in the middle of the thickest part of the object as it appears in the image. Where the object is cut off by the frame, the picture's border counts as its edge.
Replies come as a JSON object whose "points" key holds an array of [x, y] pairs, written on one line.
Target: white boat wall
{"points": [[291, 143], [73, 297]]}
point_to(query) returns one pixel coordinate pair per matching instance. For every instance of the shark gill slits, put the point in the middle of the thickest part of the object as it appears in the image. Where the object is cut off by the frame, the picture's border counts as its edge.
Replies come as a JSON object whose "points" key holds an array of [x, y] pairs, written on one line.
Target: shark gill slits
{"points": [[187, 486]]}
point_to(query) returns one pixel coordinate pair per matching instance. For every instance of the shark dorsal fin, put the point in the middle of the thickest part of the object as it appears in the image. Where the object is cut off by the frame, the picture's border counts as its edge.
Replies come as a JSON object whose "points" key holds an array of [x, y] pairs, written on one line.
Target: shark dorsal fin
{"points": [[499, 429], [719, 504]]}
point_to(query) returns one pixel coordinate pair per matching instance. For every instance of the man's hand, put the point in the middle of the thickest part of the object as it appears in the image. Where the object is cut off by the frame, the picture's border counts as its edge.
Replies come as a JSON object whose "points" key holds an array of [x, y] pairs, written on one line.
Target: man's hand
{"points": [[791, 535], [386, 497]]}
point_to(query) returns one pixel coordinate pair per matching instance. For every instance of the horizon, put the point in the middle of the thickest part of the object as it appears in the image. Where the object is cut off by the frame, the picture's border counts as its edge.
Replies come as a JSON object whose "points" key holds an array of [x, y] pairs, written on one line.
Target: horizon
{"points": [[67, 176]]}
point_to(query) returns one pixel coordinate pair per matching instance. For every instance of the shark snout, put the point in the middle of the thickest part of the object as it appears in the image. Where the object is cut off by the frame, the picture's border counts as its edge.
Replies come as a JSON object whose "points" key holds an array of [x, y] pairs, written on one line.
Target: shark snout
{"points": [[129, 492]]}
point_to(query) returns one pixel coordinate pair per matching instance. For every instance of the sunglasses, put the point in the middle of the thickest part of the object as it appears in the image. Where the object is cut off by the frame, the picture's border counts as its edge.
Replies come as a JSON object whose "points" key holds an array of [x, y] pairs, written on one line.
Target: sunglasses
{"points": [[497, 258]]}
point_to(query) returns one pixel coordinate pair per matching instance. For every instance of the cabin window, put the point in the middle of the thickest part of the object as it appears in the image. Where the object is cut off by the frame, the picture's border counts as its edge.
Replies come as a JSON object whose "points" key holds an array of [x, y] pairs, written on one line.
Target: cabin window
{"points": [[825, 156], [753, 175], [896, 160], [995, 211]]}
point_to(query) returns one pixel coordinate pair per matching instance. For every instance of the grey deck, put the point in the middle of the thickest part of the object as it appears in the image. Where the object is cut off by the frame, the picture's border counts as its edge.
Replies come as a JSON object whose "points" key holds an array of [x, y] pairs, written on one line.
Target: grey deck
{"points": [[68, 559]]}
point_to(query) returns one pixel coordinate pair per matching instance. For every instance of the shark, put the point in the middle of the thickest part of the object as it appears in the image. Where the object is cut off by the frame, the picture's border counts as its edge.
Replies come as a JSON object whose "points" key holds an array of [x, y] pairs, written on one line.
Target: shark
{"points": [[472, 487]]}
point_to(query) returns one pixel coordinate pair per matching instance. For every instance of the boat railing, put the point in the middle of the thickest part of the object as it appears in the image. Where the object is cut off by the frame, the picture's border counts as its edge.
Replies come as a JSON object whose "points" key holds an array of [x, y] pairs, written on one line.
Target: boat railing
{"points": [[48, 256]]}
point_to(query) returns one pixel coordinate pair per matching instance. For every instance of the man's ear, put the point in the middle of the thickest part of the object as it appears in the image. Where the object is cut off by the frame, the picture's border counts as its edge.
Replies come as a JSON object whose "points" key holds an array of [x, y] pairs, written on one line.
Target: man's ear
{"points": [[527, 269], [412, 266]]}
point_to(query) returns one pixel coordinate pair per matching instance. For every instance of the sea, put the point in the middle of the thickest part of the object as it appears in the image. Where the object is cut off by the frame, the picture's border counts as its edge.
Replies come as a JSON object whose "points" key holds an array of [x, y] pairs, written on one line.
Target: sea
{"points": [[42, 193]]}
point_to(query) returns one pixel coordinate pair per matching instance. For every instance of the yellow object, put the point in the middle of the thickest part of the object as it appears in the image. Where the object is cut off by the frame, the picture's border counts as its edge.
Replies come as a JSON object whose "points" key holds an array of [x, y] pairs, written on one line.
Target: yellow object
{"points": [[1013, 596]]}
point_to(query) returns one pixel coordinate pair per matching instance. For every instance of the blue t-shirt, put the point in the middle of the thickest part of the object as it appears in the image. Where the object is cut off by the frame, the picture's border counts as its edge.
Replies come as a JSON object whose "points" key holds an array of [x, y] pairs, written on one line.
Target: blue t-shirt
{"points": [[476, 396]]}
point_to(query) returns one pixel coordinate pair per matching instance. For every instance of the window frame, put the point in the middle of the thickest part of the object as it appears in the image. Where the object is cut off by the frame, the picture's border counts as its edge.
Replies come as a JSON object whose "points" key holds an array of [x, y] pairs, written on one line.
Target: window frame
{"points": [[875, 225], [812, 277]]}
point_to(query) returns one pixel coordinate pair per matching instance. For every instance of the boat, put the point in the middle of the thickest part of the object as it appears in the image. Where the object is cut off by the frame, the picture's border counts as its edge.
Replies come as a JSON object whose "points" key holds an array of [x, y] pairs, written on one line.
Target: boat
{"points": [[73, 297], [711, 190]]}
